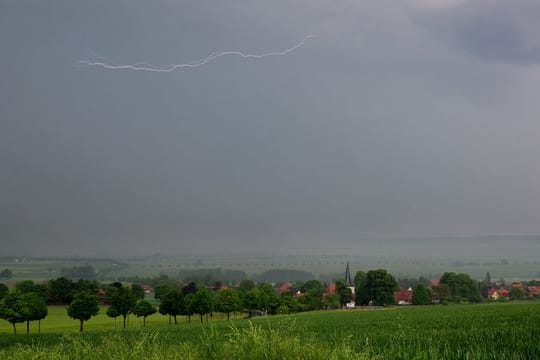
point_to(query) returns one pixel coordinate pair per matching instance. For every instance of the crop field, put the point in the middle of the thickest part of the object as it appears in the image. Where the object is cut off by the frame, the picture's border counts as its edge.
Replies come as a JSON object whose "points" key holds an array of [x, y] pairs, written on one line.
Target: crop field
{"points": [[487, 331]]}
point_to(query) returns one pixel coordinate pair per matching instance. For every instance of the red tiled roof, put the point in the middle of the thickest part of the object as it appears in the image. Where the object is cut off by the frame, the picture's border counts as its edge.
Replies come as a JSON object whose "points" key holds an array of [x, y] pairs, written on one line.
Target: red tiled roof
{"points": [[434, 282]]}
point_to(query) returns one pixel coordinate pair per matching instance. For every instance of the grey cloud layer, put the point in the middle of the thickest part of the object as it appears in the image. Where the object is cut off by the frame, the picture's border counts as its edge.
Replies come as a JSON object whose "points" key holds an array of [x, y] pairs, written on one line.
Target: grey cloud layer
{"points": [[495, 30], [375, 128]]}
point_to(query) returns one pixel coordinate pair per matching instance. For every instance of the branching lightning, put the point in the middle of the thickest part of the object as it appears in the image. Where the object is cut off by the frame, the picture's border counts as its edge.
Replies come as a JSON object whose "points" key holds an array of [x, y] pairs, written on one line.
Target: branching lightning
{"points": [[143, 66]]}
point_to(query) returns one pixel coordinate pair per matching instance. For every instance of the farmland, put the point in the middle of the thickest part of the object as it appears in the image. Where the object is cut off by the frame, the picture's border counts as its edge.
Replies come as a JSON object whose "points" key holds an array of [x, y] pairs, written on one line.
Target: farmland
{"points": [[488, 331]]}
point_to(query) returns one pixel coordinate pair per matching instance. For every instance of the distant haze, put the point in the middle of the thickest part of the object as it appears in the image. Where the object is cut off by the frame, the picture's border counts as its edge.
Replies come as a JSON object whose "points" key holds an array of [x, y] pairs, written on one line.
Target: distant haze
{"points": [[401, 119]]}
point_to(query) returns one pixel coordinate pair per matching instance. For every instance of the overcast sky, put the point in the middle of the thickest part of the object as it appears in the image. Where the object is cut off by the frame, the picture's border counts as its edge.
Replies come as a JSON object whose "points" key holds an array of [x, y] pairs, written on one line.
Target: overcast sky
{"points": [[400, 119]]}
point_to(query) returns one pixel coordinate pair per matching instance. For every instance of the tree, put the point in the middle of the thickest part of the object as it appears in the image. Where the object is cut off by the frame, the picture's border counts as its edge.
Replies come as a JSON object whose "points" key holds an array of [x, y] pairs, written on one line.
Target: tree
{"points": [[343, 292], [251, 301], [112, 312], [331, 301], [172, 304], [312, 295], [138, 291], [61, 291], [122, 300], [35, 309], [28, 286], [144, 308], [83, 307], [421, 295], [291, 302], [268, 299], [227, 301], [362, 296], [203, 302], [380, 286], [461, 287], [4, 290], [6, 274], [516, 294], [12, 309]]}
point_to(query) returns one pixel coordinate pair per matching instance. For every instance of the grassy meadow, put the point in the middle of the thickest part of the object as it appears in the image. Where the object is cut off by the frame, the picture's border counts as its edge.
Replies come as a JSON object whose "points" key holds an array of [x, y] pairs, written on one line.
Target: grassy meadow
{"points": [[487, 331]]}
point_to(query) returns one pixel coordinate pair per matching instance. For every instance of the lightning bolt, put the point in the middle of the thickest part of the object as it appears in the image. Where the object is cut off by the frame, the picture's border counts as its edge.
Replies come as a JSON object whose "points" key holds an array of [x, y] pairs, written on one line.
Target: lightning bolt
{"points": [[143, 66]]}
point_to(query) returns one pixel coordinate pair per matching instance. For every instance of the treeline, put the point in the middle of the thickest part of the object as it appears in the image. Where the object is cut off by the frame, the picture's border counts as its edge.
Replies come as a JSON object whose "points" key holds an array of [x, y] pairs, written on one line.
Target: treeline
{"points": [[213, 276], [28, 301]]}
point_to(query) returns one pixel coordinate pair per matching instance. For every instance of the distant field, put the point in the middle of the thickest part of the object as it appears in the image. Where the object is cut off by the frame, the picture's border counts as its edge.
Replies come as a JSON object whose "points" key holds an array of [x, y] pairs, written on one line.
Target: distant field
{"points": [[488, 331]]}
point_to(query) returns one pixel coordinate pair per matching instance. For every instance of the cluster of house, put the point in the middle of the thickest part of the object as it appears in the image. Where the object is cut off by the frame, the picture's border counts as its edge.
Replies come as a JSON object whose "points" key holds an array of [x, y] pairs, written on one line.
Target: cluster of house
{"points": [[500, 292], [503, 292]]}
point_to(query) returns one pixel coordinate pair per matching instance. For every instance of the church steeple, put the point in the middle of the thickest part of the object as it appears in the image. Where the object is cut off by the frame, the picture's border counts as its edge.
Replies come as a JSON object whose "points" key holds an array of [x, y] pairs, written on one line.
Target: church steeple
{"points": [[348, 278]]}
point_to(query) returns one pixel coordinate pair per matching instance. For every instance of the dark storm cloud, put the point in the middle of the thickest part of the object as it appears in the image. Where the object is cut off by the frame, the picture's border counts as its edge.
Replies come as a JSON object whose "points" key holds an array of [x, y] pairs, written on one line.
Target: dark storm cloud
{"points": [[495, 30], [372, 129]]}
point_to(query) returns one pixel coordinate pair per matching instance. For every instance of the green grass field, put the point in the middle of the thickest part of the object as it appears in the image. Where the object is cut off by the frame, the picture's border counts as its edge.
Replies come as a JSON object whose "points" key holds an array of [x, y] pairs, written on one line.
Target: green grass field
{"points": [[488, 331]]}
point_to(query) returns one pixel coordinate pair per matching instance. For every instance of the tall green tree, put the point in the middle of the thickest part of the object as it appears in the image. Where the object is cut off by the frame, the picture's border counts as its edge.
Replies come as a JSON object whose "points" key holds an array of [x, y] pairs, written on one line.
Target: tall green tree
{"points": [[138, 291], [35, 309], [461, 287], [122, 300], [172, 303], [380, 286], [227, 301], [203, 302], [28, 286], [251, 301], [144, 309], [83, 307], [61, 291], [361, 292], [268, 299], [12, 309], [421, 295], [343, 292]]}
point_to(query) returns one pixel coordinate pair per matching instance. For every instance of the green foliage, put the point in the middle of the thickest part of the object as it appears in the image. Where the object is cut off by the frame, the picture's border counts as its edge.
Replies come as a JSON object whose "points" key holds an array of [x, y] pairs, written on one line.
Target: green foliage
{"points": [[380, 286], [362, 294], [137, 291], [12, 309], [61, 290], [268, 299], [517, 294], [122, 300], [28, 286], [344, 292], [83, 307], [421, 295], [331, 301], [35, 308], [227, 301], [4, 290], [144, 309], [434, 332], [461, 287], [172, 304], [203, 302]]}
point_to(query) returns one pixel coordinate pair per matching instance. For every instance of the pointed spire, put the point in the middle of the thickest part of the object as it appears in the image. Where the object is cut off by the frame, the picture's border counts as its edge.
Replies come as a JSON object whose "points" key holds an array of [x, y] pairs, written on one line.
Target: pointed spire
{"points": [[348, 278]]}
